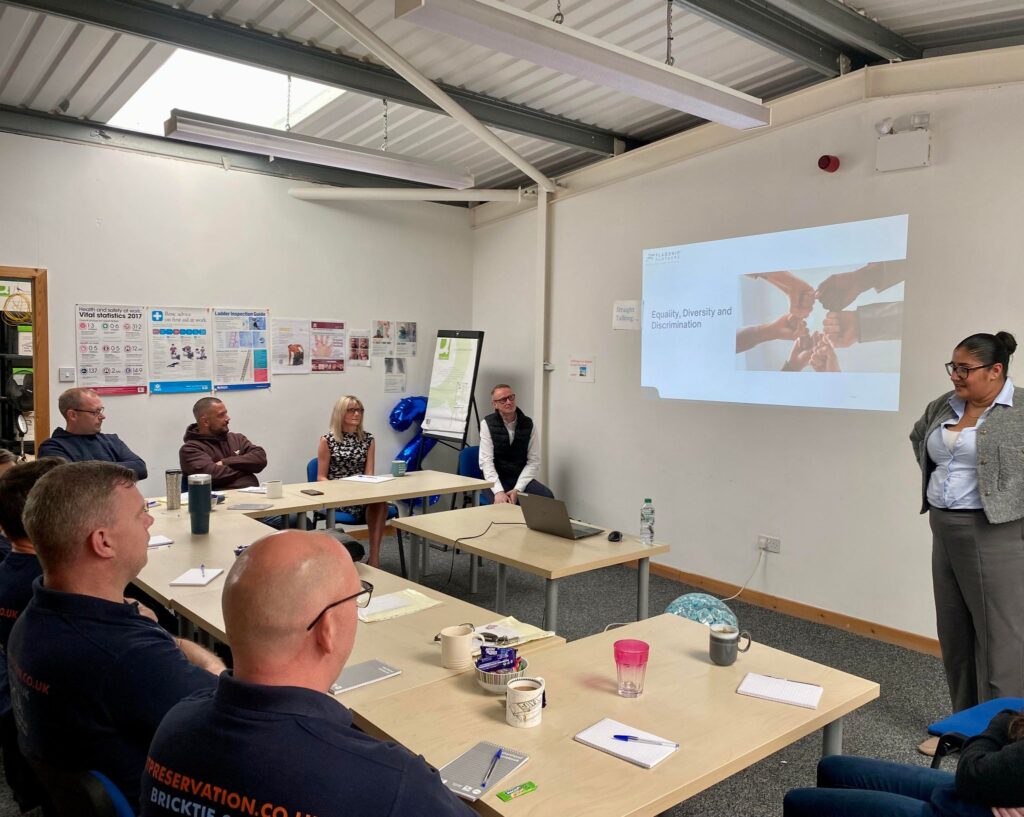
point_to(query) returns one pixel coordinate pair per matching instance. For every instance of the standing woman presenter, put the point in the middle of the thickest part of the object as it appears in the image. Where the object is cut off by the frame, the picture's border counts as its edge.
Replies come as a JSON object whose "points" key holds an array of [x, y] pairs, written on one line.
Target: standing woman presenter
{"points": [[346, 450], [970, 446]]}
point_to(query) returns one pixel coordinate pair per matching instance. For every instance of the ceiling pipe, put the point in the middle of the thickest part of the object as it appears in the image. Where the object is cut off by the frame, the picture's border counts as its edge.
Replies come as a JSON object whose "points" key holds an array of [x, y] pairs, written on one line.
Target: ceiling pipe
{"points": [[402, 194]]}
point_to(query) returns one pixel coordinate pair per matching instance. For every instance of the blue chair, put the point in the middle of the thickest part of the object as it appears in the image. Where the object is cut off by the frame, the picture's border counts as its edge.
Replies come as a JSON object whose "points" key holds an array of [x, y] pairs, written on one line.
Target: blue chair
{"points": [[81, 794], [343, 519], [954, 731], [469, 466]]}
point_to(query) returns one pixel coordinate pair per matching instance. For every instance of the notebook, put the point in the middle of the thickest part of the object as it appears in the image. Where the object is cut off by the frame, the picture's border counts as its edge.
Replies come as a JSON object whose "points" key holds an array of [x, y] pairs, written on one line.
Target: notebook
{"points": [[368, 478], [359, 675], [599, 736], [465, 774], [197, 577], [780, 690], [157, 541]]}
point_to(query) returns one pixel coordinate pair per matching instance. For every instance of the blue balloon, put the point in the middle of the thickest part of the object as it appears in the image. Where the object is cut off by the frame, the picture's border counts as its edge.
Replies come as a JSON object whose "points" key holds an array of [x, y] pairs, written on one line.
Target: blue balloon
{"points": [[407, 411]]}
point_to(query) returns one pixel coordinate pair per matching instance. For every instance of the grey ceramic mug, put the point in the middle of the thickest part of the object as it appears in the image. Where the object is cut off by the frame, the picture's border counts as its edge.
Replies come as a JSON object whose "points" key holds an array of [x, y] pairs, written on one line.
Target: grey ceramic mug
{"points": [[725, 643]]}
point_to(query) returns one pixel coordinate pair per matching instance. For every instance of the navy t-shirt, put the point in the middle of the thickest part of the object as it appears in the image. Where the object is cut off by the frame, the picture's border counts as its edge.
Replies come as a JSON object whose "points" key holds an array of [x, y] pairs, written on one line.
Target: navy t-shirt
{"points": [[90, 681], [17, 572], [251, 749]]}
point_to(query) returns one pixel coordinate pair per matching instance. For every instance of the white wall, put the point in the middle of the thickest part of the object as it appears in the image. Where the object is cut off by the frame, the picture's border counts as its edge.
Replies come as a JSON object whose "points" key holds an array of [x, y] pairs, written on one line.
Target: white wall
{"points": [[116, 227], [839, 487]]}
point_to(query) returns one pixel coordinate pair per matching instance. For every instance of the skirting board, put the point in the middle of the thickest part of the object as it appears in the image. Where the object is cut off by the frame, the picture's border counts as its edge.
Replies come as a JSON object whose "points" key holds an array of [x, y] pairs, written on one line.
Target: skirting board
{"points": [[859, 626]]}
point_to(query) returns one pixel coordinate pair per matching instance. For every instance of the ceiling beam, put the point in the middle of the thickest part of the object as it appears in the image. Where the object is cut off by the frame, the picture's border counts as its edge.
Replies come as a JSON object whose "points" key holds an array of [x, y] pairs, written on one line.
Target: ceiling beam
{"points": [[219, 38], [97, 134], [848, 26], [780, 32]]}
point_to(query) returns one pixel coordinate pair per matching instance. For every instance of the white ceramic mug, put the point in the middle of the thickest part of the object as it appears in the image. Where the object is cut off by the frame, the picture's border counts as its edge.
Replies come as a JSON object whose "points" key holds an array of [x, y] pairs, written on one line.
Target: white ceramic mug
{"points": [[458, 644], [275, 488], [524, 702]]}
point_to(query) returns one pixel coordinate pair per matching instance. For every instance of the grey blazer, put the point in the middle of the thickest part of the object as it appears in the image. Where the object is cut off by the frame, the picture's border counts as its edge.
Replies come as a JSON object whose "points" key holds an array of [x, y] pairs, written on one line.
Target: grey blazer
{"points": [[1000, 455]]}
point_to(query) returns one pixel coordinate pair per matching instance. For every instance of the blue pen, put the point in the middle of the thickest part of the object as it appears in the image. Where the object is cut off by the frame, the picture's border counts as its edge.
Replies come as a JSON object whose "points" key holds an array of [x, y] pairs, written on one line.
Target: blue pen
{"points": [[490, 769], [635, 739], [202, 570]]}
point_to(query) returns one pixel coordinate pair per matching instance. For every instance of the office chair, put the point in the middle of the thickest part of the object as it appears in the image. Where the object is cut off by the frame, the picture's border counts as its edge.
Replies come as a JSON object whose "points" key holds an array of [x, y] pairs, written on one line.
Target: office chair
{"points": [[954, 730], [82, 794], [343, 519]]}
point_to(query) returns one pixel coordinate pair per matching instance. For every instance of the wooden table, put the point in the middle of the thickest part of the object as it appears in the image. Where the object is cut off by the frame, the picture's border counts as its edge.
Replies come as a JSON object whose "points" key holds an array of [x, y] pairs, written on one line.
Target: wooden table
{"points": [[406, 642], [510, 543], [686, 699]]}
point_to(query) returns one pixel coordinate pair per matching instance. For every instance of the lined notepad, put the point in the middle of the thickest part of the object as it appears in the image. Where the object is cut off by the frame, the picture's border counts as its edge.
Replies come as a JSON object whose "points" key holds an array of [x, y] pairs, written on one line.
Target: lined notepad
{"points": [[393, 605], [599, 736], [780, 690], [197, 577], [466, 773]]}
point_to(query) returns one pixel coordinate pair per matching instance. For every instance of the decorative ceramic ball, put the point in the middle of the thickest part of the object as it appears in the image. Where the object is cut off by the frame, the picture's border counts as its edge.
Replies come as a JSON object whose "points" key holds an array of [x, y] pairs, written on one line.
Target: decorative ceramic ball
{"points": [[703, 608]]}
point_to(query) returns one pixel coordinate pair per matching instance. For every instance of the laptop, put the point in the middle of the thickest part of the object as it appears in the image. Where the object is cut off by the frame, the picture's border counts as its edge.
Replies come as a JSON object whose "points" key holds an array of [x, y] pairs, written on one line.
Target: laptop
{"points": [[550, 516]]}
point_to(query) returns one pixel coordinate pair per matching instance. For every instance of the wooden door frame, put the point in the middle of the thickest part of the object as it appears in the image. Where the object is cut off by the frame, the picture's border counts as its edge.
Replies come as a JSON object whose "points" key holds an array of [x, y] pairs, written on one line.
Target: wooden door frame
{"points": [[40, 346]]}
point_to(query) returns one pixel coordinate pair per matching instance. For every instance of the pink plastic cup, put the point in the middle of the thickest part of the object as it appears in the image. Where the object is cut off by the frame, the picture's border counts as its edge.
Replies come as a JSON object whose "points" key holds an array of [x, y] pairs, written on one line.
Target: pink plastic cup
{"points": [[631, 666]]}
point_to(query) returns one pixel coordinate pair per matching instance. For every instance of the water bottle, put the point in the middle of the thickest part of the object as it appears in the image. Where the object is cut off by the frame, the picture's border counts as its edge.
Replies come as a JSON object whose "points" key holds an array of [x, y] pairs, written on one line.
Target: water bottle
{"points": [[647, 522]]}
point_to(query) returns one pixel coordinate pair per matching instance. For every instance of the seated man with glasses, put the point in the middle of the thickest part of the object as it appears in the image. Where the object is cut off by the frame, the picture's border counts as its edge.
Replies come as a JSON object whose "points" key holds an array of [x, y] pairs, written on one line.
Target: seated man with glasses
{"points": [[81, 441], [510, 449], [270, 734]]}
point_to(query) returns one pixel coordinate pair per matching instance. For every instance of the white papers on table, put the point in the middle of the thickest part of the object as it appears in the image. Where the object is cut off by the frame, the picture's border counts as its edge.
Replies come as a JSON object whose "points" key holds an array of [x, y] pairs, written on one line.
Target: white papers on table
{"points": [[513, 632], [197, 577], [648, 755], [368, 478], [253, 489], [780, 690], [394, 605], [157, 540], [214, 494]]}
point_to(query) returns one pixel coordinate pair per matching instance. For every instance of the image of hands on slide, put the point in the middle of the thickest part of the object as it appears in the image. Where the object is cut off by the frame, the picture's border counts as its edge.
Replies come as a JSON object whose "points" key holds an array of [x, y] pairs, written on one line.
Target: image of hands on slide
{"points": [[821, 320], [736, 320]]}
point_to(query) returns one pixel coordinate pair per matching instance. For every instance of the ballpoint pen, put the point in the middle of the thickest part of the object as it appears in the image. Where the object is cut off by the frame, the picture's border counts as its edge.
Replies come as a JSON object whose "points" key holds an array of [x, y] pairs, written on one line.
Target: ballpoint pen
{"points": [[635, 739], [490, 769], [202, 570]]}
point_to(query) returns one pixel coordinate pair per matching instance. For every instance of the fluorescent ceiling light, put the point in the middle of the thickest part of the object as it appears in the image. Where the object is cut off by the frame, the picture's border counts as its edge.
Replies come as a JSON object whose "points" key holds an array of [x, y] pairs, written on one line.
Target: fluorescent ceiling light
{"points": [[224, 133], [402, 194], [495, 25]]}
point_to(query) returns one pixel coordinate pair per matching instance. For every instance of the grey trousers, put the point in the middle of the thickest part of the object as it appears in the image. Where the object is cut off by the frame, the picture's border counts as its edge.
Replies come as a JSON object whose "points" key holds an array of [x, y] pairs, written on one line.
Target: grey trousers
{"points": [[978, 576]]}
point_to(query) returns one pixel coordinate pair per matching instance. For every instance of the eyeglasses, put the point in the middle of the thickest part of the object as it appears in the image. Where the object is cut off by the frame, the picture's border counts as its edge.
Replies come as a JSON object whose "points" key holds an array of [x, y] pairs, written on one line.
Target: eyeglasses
{"points": [[508, 398], [362, 600], [961, 372], [355, 410], [90, 411]]}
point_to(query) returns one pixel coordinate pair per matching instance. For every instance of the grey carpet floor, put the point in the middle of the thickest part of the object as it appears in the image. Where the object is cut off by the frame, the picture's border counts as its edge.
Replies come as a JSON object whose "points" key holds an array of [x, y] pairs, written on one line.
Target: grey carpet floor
{"points": [[913, 690]]}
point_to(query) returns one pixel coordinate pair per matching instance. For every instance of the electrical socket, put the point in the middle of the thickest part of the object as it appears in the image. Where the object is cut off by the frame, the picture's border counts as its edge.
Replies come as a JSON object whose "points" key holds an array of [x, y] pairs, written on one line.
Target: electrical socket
{"points": [[770, 544]]}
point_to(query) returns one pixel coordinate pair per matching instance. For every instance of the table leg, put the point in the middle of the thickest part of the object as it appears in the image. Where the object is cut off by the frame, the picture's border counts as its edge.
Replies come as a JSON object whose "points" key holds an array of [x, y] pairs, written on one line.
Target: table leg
{"points": [[474, 573], [499, 596], [551, 605], [643, 586], [303, 520], [414, 557], [832, 738], [330, 518], [286, 521]]}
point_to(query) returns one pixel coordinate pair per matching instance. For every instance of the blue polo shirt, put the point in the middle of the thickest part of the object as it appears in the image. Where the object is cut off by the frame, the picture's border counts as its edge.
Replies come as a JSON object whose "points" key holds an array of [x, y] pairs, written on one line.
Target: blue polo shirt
{"points": [[17, 572], [252, 749], [90, 681]]}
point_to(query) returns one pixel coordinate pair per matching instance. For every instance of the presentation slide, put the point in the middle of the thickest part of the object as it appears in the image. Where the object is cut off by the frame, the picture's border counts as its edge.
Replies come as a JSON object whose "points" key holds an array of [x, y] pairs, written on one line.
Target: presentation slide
{"points": [[810, 317]]}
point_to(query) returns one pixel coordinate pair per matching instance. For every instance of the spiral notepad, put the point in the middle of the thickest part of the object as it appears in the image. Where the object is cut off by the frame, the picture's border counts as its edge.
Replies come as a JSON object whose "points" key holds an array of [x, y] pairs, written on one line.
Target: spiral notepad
{"points": [[466, 773]]}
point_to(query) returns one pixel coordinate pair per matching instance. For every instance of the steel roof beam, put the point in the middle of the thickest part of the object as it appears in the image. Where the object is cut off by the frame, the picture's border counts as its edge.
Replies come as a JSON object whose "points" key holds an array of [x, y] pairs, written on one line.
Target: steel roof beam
{"points": [[848, 26], [780, 32], [184, 29]]}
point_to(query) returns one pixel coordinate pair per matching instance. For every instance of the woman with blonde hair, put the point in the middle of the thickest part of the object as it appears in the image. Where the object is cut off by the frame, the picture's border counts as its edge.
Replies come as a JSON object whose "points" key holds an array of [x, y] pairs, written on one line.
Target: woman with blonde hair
{"points": [[344, 451]]}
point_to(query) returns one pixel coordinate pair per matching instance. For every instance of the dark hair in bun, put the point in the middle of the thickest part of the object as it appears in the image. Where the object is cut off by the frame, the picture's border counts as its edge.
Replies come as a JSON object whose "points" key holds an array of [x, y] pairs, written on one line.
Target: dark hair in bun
{"points": [[990, 349]]}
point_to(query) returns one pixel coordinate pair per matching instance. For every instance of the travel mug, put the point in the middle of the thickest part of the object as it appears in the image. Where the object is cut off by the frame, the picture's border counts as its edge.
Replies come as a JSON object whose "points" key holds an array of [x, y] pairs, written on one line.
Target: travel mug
{"points": [[172, 488], [199, 502]]}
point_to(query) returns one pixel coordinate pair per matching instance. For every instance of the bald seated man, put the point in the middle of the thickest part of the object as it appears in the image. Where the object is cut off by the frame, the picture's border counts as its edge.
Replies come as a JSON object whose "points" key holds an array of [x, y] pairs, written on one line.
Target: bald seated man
{"points": [[271, 732], [91, 673]]}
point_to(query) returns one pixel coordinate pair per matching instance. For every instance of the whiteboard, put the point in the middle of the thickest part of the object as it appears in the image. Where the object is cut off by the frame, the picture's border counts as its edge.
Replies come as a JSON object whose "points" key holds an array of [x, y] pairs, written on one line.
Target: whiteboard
{"points": [[452, 382]]}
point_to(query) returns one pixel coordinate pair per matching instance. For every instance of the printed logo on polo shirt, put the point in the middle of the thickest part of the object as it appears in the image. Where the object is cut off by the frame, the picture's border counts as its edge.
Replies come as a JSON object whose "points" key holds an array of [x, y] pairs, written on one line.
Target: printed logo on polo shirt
{"points": [[42, 687], [9, 612], [239, 804]]}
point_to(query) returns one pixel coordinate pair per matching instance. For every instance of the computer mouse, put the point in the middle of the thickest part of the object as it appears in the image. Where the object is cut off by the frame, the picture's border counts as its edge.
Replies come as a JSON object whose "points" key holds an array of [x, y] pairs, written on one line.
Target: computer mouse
{"points": [[615, 536]]}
